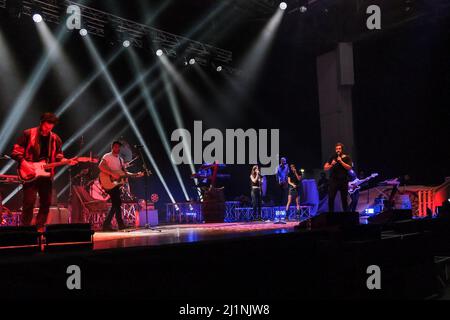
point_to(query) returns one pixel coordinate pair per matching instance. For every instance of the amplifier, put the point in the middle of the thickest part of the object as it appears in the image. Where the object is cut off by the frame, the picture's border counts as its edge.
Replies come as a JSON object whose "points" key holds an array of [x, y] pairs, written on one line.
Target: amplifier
{"points": [[55, 216]]}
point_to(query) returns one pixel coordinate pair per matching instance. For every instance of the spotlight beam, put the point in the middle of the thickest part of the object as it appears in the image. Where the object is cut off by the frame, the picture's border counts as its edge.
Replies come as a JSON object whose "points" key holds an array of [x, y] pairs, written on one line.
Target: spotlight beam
{"points": [[178, 120], [23, 101], [72, 98], [113, 86], [157, 120]]}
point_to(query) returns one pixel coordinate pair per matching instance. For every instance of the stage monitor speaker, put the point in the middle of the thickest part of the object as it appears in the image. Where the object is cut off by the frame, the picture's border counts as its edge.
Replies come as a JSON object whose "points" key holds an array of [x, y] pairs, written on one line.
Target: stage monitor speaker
{"points": [[390, 216], [331, 219], [19, 237], [68, 233]]}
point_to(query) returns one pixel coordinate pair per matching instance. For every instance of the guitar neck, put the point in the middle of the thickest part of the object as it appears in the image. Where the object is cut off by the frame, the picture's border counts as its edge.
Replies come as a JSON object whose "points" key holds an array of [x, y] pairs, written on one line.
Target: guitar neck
{"points": [[56, 164]]}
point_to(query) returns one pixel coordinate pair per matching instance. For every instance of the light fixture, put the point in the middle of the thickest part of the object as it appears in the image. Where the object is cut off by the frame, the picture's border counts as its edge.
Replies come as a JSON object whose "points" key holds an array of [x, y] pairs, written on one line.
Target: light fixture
{"points": [[192, 61], [37, 18], [83, 32], [283, 5], [159, 52], [219, 69], [126, 43]]}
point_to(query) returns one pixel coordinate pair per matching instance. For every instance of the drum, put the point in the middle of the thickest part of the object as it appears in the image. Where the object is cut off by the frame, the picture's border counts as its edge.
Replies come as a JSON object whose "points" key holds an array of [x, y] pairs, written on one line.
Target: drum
{"points": [[96, 191]]}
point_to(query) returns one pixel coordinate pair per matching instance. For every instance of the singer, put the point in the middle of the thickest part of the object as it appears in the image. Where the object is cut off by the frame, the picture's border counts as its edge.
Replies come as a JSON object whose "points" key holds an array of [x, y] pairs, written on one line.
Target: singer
{"points": [[256, 184], [338, 165]]}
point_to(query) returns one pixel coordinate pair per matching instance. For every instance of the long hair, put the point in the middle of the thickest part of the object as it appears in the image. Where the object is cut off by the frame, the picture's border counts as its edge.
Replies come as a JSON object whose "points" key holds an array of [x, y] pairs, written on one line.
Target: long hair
{"points": [[254, 170]]}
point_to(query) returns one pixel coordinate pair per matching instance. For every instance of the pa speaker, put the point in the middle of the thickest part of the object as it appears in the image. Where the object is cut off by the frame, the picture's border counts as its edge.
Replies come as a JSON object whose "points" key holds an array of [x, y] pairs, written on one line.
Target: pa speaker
{"points": [[390, 216], [332, 219], [19, 237]]}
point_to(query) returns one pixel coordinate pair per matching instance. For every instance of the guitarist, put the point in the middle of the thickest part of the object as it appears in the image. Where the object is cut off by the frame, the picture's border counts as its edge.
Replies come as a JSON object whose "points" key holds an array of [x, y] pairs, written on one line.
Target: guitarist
{"points": [[111, 164], [34, 145]]}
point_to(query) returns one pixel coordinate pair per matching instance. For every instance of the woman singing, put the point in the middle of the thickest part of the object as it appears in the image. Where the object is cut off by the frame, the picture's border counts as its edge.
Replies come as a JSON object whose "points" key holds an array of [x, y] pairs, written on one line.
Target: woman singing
{"points": [[256, 183], [294, 179]]}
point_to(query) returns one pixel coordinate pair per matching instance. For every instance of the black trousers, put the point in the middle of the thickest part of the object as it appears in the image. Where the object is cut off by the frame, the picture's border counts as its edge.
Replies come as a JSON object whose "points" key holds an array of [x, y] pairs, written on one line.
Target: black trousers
{"points": [[116, 208], [333, 188], [43, 187], [257, 202], [354, 201]]}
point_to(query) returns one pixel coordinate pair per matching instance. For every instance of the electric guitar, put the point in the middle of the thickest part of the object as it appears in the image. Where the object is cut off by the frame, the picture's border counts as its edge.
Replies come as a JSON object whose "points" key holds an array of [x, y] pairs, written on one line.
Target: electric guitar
{"points": [[108, 182], [355, 184], [30, 171]]}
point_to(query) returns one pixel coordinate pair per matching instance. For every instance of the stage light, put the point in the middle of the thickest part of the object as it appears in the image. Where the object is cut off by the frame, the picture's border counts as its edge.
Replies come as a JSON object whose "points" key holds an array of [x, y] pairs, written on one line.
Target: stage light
{"points": [[283, 5], [37, 18], [303, 9], [159, 52], [219, 69], [83, 32], [126, 43], [192, 61]]}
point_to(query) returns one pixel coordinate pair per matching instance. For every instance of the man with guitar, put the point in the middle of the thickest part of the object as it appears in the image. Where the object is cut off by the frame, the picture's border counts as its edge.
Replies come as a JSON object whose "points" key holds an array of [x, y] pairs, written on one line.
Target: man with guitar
{"points": [[35, 148], [354, 186], [112, 176]]}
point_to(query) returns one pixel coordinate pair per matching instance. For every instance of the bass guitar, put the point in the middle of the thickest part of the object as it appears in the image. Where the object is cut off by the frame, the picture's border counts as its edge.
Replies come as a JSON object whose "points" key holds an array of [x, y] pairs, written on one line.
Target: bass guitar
{"points": [[355, 185]]}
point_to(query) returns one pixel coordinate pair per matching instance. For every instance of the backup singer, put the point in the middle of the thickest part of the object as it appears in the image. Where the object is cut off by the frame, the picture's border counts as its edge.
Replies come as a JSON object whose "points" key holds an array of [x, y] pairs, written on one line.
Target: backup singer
{"points": [[339, 165], [111, 164], [282, 176], [294, 179], [256, 184], [35, 145]]}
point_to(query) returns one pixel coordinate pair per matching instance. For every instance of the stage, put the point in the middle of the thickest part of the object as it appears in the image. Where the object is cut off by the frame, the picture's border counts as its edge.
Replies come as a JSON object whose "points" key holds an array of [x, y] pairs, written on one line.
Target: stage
{"points": [[186, 233]]}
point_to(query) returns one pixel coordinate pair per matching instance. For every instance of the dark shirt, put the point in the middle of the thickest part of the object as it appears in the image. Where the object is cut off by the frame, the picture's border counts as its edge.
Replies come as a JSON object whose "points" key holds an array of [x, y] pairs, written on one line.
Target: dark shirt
{"points": [[255, 184], [293, 179], [43, 142], [338, 172]]}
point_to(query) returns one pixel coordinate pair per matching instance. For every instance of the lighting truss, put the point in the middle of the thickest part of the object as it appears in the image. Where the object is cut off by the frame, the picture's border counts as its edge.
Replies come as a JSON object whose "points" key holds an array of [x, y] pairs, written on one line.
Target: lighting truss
{"points": [[2, 3], [96, 21]]}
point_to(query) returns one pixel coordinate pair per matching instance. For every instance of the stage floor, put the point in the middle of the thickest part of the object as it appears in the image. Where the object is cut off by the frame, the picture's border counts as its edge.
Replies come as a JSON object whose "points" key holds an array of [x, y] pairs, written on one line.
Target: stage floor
{"points": [[186, 233]]}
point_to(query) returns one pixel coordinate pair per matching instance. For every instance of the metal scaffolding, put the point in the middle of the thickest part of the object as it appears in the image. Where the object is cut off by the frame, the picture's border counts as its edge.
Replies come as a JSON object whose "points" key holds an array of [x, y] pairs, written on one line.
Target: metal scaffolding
{"points": [[101, 24]]}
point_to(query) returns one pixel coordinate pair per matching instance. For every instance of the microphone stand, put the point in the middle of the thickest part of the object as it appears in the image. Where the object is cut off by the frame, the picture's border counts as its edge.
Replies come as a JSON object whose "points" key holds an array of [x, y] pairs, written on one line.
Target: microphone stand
{"points": [[147, 174]]}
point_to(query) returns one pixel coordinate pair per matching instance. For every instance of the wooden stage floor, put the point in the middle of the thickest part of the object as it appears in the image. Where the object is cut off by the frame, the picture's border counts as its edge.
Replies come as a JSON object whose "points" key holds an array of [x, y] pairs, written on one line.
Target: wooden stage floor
{"points": [[186, 233]]}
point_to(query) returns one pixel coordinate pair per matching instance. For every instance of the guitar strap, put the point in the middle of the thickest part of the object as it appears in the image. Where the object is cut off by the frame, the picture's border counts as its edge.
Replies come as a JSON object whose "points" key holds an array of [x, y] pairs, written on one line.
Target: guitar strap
{"points": [[121, 163]]}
